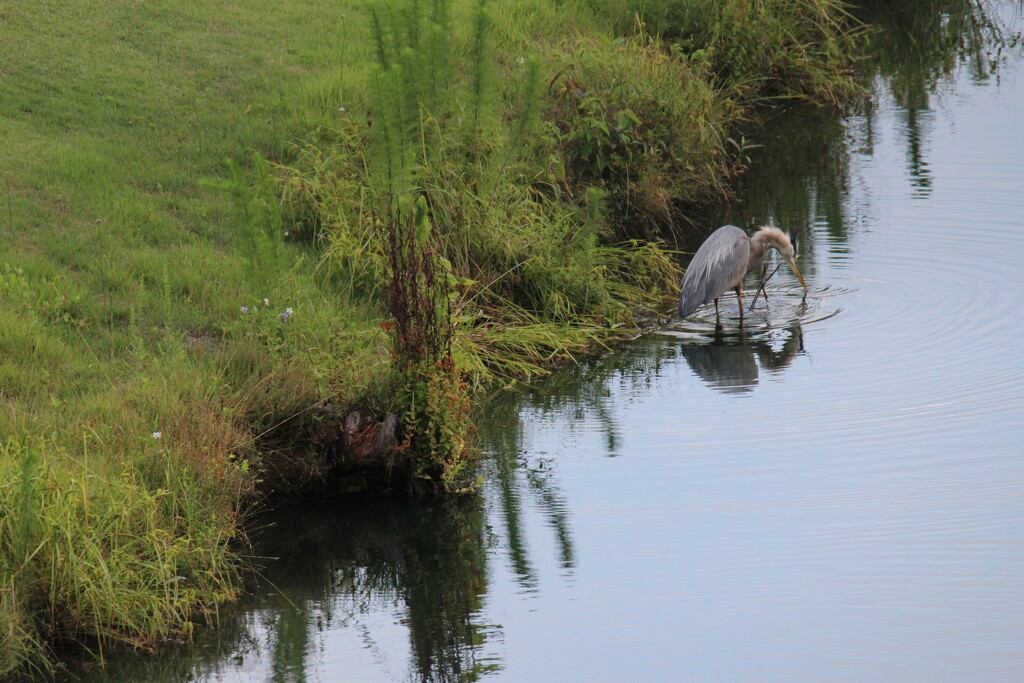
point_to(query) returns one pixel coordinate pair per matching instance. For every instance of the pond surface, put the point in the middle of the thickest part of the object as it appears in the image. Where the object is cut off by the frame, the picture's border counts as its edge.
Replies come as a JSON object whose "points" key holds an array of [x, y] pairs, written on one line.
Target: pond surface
{"points": [[833, 490]]}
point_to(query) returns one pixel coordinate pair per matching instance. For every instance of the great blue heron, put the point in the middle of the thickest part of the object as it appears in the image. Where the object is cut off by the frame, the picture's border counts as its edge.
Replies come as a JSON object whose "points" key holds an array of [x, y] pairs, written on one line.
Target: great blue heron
{"points": [[724, 259]]}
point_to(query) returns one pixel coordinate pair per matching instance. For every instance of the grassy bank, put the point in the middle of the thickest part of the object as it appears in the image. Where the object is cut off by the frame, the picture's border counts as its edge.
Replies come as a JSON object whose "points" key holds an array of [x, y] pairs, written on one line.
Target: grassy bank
{"points": [[192, 265]]}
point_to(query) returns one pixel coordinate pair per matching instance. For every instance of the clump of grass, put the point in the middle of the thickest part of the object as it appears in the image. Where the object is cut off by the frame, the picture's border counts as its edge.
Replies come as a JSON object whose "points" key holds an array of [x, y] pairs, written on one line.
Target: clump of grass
{"points": [[97, 559], [519, 259]]}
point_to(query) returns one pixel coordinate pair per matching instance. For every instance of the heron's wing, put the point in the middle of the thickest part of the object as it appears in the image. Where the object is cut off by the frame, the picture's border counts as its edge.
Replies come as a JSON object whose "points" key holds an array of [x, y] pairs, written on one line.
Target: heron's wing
{"points": [[717, 266]]}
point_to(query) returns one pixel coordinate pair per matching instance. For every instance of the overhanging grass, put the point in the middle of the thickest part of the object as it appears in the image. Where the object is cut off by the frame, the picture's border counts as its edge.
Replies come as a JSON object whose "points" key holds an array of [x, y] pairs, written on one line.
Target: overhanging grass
{"points": [[99, 555]]}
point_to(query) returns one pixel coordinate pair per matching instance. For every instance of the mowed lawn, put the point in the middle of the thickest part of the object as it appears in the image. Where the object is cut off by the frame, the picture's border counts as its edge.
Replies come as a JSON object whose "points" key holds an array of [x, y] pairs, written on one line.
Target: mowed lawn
{"points": [[117, 254]]}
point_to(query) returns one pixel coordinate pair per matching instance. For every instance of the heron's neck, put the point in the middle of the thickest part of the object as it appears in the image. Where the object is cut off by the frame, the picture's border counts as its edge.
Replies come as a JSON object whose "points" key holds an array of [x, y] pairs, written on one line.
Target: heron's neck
{"points": [[758, 245]]}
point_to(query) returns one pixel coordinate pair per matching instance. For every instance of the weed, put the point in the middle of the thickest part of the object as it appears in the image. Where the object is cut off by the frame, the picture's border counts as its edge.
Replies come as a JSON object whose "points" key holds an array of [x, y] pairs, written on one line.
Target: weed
{"points": [[431, 393]]}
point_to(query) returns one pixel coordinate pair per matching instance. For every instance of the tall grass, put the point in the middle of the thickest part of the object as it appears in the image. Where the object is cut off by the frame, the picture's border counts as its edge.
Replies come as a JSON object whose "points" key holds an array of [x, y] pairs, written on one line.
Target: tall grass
{"points": [[96, 557]]}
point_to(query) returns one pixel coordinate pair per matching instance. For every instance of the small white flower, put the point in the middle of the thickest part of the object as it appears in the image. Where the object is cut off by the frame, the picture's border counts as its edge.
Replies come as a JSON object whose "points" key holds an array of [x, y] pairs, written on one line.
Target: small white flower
{"points": [[244, 309], [158, 435], [266, 302], [341, 108], [521, 60], [289, 310]]}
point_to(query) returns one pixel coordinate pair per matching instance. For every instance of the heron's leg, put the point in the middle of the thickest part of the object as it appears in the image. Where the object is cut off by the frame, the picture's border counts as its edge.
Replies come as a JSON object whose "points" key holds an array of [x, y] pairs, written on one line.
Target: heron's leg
{"points": [[716, 311], [739, 297], [760, 287]]}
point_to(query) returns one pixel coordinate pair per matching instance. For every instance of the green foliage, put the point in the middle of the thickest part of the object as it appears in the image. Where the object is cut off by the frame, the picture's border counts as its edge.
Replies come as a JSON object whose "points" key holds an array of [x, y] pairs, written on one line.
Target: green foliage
{"points": [[645, 125], [756, 48]]}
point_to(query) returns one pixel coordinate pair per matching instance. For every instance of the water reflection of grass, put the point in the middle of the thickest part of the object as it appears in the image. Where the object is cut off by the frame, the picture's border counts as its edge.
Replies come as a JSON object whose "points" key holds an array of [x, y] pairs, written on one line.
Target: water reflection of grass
{"points": [[800, 175], [573, 395], [918, 45], [592, 392], [428, 558]]}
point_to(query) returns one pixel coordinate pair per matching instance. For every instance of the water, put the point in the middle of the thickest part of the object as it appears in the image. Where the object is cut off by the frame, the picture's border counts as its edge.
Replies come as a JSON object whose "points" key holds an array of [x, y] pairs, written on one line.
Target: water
{"points": [[832, 491]]}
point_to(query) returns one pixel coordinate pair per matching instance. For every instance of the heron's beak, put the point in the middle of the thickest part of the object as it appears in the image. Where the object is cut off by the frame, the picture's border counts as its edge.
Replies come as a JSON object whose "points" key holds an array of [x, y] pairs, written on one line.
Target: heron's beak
{"points": [[796, 271]]}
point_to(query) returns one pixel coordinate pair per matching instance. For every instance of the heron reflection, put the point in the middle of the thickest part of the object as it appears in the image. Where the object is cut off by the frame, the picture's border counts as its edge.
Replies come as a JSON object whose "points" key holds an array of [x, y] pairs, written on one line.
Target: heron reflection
{"points": [[732, 362]]}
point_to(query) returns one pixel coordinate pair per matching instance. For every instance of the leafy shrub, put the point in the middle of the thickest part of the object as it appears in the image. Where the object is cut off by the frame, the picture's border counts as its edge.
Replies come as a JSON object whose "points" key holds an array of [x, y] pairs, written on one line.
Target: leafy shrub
{"points": [[643, 124], [755, 48]]}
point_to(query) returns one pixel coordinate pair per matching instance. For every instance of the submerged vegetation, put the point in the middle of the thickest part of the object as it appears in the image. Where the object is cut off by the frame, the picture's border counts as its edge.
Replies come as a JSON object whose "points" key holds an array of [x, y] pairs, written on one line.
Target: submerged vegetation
{"points": [[226, 224]]}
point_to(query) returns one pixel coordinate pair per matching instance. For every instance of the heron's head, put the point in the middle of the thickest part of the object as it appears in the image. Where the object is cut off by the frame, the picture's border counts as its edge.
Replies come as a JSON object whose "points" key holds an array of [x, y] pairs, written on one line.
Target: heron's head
{"points": [[774, 237]]}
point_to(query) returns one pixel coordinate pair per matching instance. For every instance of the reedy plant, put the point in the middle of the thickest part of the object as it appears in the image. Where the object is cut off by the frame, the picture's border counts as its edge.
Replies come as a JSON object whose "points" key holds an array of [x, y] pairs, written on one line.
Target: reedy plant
{"points": [[411, 110], [432, 395], [261, 229]]}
